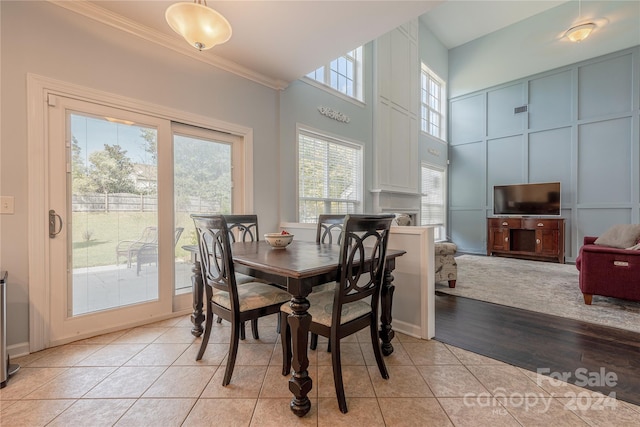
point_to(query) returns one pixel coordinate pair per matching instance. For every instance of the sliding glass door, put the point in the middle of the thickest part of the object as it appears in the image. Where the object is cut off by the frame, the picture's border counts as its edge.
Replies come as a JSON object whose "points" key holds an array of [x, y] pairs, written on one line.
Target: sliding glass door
{"points": [[121, 187], [105, 218], [203, 183]]}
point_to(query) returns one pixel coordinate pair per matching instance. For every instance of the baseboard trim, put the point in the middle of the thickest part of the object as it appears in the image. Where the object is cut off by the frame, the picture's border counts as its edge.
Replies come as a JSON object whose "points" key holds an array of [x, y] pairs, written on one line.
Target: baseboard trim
{"points": [[407, 329], [18, 350]]}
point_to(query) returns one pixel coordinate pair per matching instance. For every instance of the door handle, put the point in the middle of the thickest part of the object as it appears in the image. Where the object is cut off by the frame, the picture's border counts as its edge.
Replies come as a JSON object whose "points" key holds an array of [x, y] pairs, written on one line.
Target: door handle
{"points": [[52, 223]]}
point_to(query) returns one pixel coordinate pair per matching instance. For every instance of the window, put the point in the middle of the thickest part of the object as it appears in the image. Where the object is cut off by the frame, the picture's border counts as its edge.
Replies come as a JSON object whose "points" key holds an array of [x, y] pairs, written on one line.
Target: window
{"points": [[432, 103], [343, 74], [432, 206], [329, 177]]}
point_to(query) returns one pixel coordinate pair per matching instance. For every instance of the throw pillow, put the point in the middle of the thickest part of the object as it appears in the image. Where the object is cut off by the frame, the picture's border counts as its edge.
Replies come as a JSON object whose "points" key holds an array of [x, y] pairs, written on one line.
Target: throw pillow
{"points": [[620, 236]]}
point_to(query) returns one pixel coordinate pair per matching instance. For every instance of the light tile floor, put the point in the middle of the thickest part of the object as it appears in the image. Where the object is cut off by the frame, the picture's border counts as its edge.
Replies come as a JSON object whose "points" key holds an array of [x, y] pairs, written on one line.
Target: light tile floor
{"points": [[148, 376]]}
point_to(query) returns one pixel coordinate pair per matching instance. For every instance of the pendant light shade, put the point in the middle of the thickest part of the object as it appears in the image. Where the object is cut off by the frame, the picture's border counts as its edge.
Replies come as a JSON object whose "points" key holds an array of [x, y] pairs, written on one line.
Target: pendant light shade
{"points": [[580, 32], [201, 26]]}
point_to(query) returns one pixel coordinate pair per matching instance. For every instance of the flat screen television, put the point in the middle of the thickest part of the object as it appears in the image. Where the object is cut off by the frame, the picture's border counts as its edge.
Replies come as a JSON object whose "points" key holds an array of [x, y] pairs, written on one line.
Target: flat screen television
{"points": [[527, 199]]}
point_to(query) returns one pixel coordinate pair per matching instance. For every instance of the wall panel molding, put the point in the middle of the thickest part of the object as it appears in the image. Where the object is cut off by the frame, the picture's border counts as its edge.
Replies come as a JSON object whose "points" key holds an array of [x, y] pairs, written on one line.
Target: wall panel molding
{"points": [[581, 128]]}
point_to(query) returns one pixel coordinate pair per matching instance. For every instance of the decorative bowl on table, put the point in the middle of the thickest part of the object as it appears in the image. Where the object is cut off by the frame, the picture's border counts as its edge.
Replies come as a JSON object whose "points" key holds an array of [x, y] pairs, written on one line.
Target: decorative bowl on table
{"points": [[278, 240]]}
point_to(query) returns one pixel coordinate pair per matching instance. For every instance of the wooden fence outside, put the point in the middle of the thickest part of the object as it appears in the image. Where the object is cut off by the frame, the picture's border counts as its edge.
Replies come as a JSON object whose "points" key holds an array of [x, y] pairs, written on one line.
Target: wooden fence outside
{"points": [[126, 202]]}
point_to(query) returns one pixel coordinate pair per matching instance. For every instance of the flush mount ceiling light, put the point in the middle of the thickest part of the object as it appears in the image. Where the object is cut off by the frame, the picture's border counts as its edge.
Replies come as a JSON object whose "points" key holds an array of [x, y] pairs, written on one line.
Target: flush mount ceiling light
{"points": [[201, 26], [580, 32]]}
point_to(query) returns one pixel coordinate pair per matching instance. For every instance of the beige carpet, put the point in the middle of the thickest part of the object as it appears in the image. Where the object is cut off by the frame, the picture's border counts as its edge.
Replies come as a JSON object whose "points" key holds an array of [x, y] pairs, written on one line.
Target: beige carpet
{"points": [[538, 286]]}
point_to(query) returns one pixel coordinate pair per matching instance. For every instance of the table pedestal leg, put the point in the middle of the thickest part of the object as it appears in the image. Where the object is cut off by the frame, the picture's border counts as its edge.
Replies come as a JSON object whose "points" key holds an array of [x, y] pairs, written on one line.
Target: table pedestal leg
{"points": [[300, 383], [386, 299], [198, 290]]}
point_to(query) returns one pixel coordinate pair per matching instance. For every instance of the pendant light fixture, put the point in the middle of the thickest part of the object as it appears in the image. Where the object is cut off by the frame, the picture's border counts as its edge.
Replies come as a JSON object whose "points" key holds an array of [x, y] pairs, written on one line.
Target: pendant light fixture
{"points": [[201, 26], [579, 32]]}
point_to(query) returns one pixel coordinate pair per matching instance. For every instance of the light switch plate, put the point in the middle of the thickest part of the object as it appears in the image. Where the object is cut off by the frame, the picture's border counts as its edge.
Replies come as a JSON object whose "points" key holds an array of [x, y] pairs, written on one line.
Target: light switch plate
{"points": [[6, 205]]}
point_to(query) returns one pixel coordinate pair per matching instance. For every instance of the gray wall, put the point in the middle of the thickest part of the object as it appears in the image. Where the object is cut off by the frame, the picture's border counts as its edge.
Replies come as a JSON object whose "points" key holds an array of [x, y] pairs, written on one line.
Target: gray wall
{"points": [[581, 129], [73, 49]]}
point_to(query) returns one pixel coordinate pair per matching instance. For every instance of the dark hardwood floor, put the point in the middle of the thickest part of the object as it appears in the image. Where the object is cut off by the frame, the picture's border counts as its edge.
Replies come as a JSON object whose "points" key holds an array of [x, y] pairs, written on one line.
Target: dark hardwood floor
{"points": [[535, 341]]}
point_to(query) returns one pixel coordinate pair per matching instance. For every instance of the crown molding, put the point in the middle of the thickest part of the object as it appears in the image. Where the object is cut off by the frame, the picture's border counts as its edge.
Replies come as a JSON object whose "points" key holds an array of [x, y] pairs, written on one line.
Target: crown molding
{"points": [[97, 13]]}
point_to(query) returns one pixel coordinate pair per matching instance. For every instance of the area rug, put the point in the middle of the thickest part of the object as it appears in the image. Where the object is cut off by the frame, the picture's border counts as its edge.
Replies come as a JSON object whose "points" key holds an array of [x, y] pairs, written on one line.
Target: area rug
{"points": [[538, 286]]}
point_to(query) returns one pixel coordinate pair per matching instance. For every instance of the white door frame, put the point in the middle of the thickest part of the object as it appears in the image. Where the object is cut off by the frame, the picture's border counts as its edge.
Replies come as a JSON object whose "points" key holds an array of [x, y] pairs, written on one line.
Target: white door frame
{"points": [[64, 327], [38, 90]]}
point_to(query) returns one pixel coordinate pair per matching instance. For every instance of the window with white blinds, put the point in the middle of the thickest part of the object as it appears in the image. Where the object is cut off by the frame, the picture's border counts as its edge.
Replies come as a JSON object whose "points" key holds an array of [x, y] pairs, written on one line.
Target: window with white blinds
{"points": [[329, 176], [432, 210]]}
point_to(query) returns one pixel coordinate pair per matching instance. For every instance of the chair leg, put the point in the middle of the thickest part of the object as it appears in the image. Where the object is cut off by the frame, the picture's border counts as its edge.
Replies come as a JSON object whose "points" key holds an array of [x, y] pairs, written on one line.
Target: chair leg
{"points": [[242, 332], [337, 376], [588, 298], [285, 340], [254, 329], [314, 341], [233, 352], [278, 325], [207, 331], [377, 350]]}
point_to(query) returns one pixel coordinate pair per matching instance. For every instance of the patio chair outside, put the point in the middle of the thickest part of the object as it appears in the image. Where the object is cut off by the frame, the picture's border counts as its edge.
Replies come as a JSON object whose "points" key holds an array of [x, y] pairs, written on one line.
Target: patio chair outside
{"points": [[148, 253], [130, 248]]}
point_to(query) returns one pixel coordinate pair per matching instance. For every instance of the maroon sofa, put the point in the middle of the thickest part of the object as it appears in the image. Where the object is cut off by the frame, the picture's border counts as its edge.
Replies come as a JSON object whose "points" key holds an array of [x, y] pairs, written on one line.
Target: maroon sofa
{"points": [[608, 271]]}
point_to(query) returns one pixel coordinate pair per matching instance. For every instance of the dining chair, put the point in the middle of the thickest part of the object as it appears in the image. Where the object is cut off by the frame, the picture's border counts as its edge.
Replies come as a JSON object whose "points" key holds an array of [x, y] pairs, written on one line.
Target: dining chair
{"points": [[244, 228], [328, 226], [224, 298], [353, 304]]}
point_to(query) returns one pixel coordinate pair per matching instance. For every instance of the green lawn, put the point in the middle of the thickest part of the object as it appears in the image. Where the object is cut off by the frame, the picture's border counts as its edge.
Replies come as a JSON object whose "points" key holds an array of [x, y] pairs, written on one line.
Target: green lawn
{"points": [[96, 235]]}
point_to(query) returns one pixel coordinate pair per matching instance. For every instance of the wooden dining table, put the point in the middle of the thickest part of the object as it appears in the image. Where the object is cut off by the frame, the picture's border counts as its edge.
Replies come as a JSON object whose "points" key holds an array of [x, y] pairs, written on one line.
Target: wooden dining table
{"points": [[298, 268]]}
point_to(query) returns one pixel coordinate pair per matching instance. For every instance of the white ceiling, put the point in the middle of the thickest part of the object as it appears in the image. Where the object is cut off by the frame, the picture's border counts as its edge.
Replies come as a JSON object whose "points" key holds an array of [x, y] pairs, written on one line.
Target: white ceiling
{"points": [[277, 42], [456, 22]]}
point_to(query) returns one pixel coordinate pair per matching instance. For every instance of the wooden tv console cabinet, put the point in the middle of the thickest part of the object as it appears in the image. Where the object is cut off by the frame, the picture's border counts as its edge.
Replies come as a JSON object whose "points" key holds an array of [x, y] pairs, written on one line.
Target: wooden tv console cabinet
{"points": [[527, 237]]}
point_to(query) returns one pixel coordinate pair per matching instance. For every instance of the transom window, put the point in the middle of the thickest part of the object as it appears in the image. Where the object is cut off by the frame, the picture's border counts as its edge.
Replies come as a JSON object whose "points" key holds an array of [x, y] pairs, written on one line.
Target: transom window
{"points": [[343, 74], [432, 210], [329, 176], [432, 100]]}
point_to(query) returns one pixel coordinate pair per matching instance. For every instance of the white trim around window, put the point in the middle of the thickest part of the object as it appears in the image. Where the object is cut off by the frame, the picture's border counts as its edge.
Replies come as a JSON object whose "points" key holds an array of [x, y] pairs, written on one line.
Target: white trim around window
{"points": [[38, 90], [433, 104], [342, 77]]}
